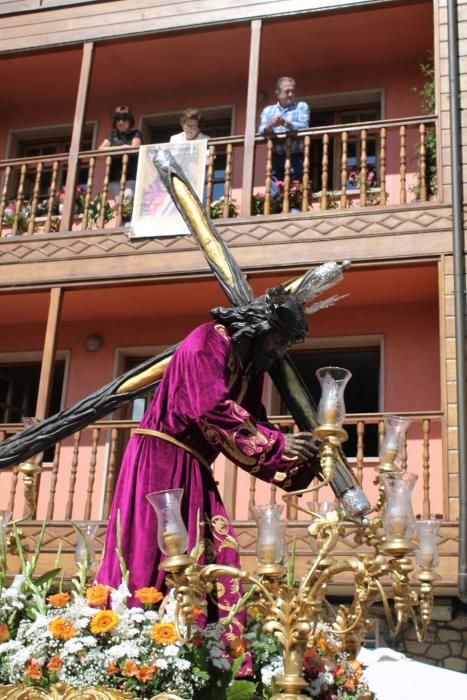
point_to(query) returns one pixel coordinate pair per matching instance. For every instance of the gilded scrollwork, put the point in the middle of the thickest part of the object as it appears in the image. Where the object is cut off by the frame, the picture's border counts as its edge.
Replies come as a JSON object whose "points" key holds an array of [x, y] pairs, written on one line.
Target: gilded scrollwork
{"points": [[60, 691]]}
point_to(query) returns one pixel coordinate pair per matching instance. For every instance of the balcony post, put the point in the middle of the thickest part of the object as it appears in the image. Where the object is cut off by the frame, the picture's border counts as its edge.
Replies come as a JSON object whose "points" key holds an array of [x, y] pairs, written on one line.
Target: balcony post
{"points": [[78, 124], [48, 353], [31, 468], [250, 123]]}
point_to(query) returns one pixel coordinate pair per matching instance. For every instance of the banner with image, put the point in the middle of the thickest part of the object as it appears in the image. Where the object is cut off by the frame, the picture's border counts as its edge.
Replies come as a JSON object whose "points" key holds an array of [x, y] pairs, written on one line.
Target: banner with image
{"points": [[154, 213]]}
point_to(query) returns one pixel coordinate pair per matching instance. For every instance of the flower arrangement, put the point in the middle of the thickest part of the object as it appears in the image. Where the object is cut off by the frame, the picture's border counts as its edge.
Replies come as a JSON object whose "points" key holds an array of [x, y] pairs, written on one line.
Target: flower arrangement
{"points": [[216, 210], [89, 636], [331, 674], [276, 202], [295, 194], [354, 177], [42, 210], [257, 204]]}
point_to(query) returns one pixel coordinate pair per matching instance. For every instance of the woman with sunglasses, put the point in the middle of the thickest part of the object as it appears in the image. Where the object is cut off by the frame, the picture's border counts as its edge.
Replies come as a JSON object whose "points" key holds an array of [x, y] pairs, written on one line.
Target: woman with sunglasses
{"points": [[122, 135]]}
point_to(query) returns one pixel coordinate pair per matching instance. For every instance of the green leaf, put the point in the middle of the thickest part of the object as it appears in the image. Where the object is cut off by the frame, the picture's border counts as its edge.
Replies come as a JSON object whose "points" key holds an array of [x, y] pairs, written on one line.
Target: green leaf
{"points": [[235, 668], [240, 690], [48, 576]]}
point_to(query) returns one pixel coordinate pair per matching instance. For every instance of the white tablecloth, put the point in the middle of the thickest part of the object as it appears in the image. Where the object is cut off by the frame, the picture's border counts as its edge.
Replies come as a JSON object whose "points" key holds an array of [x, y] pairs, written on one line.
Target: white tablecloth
{"points": [[392, 676]]}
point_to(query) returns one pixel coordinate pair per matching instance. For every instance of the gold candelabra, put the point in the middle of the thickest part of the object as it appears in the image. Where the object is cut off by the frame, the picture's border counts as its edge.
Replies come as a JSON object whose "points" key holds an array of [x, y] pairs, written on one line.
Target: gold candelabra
{"points": [[383, 572]]}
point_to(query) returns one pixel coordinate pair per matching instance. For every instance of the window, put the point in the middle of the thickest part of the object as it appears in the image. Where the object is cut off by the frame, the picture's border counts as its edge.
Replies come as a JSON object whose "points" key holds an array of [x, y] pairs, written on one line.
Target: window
{"points": [[334, 110], [216, 123], [46, 141], [48, 147], [362, 394], [19, 384]]}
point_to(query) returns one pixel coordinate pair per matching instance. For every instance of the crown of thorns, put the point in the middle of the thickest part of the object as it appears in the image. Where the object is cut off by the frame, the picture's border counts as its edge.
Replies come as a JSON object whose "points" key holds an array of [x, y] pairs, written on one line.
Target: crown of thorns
{"points": [[285, 313]]}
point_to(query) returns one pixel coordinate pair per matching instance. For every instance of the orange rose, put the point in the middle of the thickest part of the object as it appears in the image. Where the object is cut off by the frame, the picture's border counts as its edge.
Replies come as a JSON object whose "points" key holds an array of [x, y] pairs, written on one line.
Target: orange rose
{"points": [[4, 633], [236, 647], [164, 633], [98, 595], [148, 596], [112, 668], [103, 622], [145, 673], [61, 629], [33, 671], [130, 668], [55, 664], [339, 671], [350, 685], [59, 600], [356, 667]]}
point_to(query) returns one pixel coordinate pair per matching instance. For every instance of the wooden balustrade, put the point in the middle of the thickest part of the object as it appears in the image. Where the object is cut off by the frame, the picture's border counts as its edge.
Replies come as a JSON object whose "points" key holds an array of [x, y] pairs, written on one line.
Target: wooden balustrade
{"points": [[363, 164], [80, 481]]}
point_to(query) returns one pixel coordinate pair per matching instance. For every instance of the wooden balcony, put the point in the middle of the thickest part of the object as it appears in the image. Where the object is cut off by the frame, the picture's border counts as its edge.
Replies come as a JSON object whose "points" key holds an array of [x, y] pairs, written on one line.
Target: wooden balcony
{"points": [[342, 207], [390, 174], [78, 483]]}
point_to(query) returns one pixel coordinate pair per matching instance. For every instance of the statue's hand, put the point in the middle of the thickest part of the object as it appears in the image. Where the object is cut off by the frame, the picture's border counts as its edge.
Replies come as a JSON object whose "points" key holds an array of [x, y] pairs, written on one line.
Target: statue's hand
{"points": [[301, 446]]}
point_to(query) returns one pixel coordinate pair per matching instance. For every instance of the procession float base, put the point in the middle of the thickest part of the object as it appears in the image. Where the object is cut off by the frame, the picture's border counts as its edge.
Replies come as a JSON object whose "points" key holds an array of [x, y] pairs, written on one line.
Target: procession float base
{"points": [[59, 691]]}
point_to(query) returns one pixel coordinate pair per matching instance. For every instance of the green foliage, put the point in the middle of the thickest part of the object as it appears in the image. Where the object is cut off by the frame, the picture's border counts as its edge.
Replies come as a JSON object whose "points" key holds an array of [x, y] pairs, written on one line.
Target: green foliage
{"points": [[95, 211], [427, 97], [217, 208]]}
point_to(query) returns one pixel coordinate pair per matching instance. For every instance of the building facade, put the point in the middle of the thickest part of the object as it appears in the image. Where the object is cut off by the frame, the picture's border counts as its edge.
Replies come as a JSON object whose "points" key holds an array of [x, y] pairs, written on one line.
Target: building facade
{"points": [[82, 301]]}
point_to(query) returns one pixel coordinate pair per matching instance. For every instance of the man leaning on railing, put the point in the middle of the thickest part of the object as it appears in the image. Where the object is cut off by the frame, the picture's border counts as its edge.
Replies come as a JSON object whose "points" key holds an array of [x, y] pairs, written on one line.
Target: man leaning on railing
{"points": [[287, 115]]}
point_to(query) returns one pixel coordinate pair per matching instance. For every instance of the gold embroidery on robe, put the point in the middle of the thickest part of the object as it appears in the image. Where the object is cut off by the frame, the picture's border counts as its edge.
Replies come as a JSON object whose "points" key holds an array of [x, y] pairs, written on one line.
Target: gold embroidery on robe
{"points": [[253, 441], [220, 529]]}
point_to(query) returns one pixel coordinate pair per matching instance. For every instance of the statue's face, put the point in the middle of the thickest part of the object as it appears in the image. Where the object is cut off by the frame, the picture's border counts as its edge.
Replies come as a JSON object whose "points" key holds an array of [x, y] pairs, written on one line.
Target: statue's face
{"points": [[267, 349]]}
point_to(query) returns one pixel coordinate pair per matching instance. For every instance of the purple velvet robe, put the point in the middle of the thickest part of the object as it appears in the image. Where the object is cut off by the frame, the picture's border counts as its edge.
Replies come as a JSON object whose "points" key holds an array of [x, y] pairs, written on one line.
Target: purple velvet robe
{"points": [[206, 401]]}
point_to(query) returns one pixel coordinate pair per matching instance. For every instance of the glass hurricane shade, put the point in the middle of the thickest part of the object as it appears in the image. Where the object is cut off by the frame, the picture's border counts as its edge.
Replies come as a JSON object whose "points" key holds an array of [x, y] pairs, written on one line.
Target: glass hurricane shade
{"points": [[85, 543], [172, 536], [270, 544], [395, 429], [331, 407], [398, 519], [427, 554]]}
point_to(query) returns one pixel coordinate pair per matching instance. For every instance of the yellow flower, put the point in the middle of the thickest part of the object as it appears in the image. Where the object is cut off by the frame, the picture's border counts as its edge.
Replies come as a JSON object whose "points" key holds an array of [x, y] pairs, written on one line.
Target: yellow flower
{"points": [[61, 629], [104, 621], [59, 600], [97, 595], [164, 633], [148, 596]]}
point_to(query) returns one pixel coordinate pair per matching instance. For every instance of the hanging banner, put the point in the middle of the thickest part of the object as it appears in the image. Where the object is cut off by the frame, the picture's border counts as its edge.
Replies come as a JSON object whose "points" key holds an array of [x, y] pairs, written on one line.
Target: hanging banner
{"points": [[154, 213]]}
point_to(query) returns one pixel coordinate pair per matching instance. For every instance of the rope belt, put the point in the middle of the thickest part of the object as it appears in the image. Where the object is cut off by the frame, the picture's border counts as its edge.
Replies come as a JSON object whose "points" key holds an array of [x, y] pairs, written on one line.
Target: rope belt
{"points": [[174, 441]]}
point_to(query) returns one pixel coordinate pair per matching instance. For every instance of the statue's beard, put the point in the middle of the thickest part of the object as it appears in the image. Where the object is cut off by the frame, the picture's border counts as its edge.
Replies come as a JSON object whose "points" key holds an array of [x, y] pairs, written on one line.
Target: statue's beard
{"points": [[262, 361]]}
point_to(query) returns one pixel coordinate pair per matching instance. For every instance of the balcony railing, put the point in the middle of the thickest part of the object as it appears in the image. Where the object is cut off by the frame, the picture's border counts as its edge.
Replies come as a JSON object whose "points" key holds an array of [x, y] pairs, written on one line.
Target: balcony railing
{"points": [[390, 162], [78, 481]]}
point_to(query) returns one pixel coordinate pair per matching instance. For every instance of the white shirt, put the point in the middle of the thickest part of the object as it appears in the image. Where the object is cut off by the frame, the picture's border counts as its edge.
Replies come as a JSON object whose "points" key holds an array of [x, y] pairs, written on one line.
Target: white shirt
{"points": [[181, 137]]}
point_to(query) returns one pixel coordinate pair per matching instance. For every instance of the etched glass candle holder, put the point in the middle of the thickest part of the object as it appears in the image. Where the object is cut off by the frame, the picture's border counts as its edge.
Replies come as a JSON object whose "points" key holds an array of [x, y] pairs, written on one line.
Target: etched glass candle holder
{"points": [[427, 554], [331, 408], [270, 545], [395, 430], [172, 536], [85, 544], [398, 519]]}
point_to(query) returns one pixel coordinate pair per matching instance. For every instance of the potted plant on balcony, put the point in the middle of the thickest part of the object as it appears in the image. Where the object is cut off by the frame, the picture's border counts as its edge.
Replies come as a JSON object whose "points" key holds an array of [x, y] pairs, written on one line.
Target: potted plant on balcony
{"points": [[216, 210]]}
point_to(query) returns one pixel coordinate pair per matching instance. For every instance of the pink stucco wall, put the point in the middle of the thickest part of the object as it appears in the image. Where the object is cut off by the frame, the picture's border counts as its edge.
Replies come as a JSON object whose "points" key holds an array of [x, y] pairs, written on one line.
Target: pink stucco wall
{"points": [[411, 364]]}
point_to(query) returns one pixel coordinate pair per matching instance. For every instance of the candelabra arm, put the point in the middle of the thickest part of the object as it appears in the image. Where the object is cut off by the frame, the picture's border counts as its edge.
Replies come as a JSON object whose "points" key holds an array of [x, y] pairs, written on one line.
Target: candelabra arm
{"points": [[394, 628], [211, 572], [287, 497], [352, 565], [332, 534]]}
